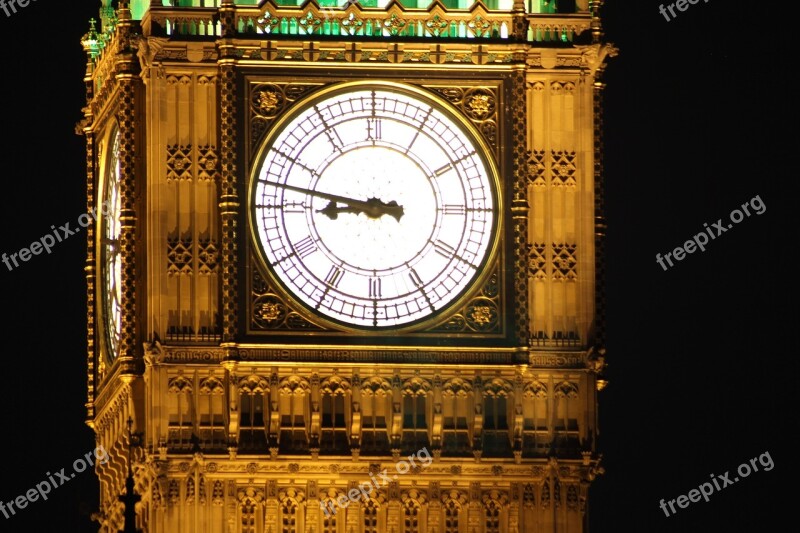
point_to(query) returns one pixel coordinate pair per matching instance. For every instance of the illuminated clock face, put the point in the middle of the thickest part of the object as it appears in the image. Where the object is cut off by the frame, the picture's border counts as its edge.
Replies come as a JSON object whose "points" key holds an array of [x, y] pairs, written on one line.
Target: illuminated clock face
{"points": [[111, 266], [374, 206]]}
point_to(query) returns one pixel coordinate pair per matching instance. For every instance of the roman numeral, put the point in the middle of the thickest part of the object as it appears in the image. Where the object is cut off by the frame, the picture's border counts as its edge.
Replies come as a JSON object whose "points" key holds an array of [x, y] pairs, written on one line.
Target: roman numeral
{"points": [[375, 287], [294, 207], [334, 276], [373, 129], [442, 170], [444, 249], [305, 247], [415, 279], [451, 209]]}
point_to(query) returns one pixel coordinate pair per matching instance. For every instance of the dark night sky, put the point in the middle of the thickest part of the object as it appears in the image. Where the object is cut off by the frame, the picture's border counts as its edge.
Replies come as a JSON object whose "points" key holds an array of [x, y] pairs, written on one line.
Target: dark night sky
{"points": [[699, 359]]}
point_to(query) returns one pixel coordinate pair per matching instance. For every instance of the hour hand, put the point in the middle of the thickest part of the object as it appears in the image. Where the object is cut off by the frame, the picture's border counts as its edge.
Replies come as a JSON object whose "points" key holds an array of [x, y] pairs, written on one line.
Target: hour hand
{"points": [[332, 211], [373, 208]]}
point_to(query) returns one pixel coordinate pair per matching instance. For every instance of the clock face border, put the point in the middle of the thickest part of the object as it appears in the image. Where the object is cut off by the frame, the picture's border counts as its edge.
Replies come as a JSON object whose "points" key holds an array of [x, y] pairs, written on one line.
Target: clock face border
{"points": [[330, 326], [105, 212]]}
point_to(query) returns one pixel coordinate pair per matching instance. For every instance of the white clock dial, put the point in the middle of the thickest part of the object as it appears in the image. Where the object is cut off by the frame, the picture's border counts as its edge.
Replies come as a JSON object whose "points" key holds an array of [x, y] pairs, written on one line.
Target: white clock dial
{"points": [[374, 206], [111, 265]]}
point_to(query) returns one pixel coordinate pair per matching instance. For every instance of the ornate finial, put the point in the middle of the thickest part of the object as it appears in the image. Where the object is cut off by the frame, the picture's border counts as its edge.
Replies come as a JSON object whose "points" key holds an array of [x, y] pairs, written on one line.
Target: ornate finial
{"points": [[91, 41]]}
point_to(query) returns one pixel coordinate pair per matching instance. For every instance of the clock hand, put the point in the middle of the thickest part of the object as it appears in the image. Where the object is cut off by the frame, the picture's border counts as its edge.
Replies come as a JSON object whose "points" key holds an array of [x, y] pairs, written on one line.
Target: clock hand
{"points": [[373, 207]]}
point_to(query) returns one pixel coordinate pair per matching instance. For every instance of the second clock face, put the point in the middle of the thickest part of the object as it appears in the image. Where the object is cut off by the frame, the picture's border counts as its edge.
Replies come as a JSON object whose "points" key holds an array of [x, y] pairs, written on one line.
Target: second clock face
{"points": [[111, 264], [374, 206]]}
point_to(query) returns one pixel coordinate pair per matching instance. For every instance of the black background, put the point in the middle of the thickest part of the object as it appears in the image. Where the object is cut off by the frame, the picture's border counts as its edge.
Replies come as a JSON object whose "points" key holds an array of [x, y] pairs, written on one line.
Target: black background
{"points": [[700, 357]]}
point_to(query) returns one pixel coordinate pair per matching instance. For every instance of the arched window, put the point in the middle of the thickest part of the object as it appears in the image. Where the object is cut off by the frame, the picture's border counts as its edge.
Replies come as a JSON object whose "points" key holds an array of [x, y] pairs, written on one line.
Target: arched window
{"points": [[415, 415], [335, 393], [566, 418], [453, 503], [290, 500], [370, 508], [376, 395], [181, 412], [211, 413], [493, 504], [250, 502], [456, 417], [492, 518], [289, 517], [253, 414], [293, 408], [535, 433], [329, 518], [248, 516], [412, 506], [496, 437]]}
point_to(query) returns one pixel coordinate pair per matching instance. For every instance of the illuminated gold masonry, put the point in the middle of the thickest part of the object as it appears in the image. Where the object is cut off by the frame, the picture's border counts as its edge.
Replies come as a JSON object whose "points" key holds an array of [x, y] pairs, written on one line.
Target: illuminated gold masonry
{"points": [[351, 277]]}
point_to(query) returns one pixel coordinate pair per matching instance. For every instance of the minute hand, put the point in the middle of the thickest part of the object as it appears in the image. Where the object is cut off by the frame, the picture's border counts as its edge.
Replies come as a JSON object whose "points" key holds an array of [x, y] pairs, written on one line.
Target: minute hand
{"points": [[373, 207]]}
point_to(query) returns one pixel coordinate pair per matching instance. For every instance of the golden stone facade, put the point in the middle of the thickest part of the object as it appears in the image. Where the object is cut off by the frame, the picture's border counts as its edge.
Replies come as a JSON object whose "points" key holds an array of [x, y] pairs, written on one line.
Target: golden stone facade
{"points": [[251, 411]]}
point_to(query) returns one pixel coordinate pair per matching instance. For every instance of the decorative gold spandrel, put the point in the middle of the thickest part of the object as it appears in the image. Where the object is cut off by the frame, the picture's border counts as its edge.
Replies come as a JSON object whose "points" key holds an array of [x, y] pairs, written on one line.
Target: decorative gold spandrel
{"points": [[481, 314], [269, 99], [479, 104], [270, 311]]}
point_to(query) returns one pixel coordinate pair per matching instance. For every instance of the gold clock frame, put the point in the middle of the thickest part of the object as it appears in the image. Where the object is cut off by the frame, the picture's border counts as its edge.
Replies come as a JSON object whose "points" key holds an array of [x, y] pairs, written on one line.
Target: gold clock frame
{"points": [[491, 263]]}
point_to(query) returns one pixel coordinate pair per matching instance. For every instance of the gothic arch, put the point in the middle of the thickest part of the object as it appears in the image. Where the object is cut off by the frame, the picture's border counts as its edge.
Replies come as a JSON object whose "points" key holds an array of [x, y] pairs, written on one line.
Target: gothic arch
{"points": [[294, 385], [456, 387], [290, 502], [566, 389], [494, 505], [453, 504], [497, 387], [535, 389], [329, 502], [335, 385], [413, 501], [253, 384], [416, 386], [250, 501], [212, 385], [370, 512], [180, 384], [376, 386]]}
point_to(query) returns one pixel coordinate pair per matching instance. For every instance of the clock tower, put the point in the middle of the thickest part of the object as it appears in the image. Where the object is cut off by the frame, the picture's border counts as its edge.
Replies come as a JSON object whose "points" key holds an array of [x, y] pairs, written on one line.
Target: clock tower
{"points": [[347, 272]]}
